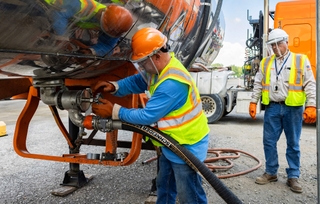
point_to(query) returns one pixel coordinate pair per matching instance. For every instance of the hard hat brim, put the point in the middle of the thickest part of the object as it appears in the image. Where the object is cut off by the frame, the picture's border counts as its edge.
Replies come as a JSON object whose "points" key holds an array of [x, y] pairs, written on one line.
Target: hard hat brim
{"points": [[269, 42]]}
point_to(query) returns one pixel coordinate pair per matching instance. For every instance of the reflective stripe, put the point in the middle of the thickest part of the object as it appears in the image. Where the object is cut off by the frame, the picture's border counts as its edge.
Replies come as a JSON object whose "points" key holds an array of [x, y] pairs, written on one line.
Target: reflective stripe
{"points": [[171, 122], [295, 81], [266, 64], [298, 69], [295, 88], [175, 71], [266, 87], [179, 74], [87, 8]]}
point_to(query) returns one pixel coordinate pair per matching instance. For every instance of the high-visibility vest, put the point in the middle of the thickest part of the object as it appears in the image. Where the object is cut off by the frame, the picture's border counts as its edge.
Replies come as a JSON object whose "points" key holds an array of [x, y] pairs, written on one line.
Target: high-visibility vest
{"points": [[296, 95], [188, 124], [89, 8]]}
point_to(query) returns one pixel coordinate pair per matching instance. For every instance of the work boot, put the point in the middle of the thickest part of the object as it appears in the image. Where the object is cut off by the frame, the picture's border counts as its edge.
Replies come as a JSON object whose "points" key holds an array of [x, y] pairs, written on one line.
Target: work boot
{"points": [[266, 178], [294, 185]]}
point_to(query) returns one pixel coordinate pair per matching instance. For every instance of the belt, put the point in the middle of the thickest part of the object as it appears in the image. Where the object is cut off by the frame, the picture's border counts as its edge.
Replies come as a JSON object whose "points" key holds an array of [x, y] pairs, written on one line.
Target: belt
{"points": [[278, 102]]}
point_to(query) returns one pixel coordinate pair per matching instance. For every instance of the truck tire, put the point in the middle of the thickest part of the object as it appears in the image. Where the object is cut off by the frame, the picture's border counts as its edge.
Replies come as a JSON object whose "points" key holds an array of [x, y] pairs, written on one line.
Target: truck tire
{"points": [[213, 106]]}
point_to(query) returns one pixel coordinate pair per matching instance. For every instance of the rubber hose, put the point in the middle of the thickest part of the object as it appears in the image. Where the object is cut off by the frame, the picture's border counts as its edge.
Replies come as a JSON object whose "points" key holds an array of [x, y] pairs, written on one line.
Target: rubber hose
{"points": [[223, 191], [200, 35]]}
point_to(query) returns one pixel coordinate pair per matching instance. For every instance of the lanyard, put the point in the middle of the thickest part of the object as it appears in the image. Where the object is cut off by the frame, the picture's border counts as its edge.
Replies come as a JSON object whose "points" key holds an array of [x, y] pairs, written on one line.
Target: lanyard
{"points": [[275, 60]]}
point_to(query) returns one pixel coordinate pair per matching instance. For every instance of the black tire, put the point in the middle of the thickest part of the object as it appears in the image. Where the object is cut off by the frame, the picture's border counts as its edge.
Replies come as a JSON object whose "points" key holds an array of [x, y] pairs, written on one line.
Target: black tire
{"points": [[213, 106]]}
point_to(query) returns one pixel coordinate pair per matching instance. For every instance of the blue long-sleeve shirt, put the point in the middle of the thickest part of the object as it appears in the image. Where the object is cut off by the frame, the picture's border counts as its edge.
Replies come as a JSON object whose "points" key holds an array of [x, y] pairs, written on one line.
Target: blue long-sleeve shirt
{"points": [[61, 19], [170, 95]]}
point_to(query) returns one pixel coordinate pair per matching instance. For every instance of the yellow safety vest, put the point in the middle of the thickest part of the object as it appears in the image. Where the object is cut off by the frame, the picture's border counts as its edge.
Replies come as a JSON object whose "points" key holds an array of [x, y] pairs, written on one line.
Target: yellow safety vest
{"points": [[89, 8], [296, 95], [188, 124]]}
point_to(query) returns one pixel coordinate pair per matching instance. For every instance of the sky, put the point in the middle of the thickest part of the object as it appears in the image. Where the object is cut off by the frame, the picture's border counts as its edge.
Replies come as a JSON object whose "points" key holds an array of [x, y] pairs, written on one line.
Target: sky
{"points": [[236, 28]]}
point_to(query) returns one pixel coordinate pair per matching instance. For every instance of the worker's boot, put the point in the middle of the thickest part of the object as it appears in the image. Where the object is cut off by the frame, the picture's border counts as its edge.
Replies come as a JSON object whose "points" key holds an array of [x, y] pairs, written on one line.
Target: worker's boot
{"points": [[294, 185], [266, 178]]}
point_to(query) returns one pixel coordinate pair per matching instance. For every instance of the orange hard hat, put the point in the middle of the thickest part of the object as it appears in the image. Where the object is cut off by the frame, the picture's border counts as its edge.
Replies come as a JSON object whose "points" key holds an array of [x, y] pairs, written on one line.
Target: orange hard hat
{"points": [[116, 20], [146, 42]]}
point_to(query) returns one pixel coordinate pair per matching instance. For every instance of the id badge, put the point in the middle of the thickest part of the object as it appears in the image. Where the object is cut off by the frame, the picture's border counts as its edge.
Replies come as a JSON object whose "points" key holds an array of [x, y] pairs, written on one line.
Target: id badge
{"points": [[275, 88]]}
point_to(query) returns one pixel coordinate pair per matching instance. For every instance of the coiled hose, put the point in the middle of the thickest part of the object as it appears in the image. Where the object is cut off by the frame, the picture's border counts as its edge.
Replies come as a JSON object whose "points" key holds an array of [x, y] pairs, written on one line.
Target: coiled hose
{"points": [[198, 166]]}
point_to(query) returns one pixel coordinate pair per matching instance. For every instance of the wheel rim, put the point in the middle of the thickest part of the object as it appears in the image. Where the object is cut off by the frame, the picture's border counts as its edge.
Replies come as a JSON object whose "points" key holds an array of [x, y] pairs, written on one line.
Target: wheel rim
{"points": [[208, 105]]}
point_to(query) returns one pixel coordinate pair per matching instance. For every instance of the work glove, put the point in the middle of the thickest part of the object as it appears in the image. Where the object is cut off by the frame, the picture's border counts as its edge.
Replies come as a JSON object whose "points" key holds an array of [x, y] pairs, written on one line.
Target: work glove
{"points": [[104, 86], [103, 109], [309, 114], [253, 110]]}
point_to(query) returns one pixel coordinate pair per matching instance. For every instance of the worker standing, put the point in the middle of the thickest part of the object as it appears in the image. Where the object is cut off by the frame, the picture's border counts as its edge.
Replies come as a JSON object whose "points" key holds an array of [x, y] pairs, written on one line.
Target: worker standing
{"points": [[286, 84], [112, 20], [174, 105]]}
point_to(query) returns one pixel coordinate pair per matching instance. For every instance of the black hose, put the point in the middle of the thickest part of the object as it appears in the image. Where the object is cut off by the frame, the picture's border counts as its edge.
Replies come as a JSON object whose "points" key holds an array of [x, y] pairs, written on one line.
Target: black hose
{"points": [[200, 35], [251, 42], [198, 166]]}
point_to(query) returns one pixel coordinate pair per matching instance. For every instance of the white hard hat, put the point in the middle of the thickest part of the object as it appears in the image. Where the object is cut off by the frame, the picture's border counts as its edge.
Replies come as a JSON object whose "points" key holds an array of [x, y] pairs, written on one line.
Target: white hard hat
{"points": [[277, 35]]}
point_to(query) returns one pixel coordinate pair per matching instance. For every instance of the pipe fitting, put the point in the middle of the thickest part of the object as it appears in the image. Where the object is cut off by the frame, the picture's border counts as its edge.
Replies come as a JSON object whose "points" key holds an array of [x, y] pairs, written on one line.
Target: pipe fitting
{"points": [[102, 124], [54, 93], [67, 99], [76, 117]]}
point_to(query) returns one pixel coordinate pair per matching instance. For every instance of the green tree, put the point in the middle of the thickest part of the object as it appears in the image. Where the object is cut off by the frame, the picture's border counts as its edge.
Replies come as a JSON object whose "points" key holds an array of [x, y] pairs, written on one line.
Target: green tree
{"points": [[237, 70], [217, 65]]}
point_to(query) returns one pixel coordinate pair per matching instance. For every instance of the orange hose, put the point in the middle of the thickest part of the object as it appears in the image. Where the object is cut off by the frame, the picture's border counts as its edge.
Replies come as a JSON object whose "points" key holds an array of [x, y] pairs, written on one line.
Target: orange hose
{"points": [[227, 158]]}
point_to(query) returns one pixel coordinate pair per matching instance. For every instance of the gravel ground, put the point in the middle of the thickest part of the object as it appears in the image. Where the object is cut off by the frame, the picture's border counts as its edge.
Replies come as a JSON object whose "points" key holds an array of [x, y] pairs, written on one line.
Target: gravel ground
{"points": [[26, 180]]}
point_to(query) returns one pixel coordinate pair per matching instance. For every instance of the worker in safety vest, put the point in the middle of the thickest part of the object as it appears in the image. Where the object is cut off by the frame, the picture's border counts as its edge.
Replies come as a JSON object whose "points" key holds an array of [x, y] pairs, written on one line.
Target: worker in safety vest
{"points": [[286, 84], [112, 20], [174, 105]]}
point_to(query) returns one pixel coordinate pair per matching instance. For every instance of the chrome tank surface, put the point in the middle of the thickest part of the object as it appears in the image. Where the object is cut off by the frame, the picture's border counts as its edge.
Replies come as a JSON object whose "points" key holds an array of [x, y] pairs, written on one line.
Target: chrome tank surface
{"points": [[27, 35]]}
